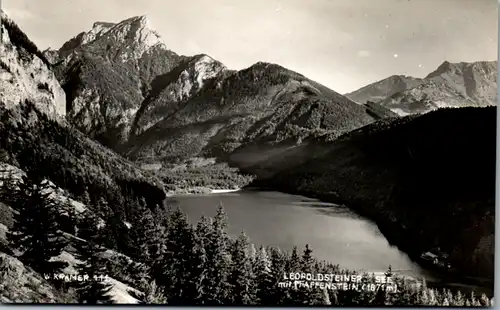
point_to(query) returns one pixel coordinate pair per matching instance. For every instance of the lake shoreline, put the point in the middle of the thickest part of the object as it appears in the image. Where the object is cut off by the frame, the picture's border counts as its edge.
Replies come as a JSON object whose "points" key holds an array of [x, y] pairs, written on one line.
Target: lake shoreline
{"points": [[197, 191], [389, 228]]}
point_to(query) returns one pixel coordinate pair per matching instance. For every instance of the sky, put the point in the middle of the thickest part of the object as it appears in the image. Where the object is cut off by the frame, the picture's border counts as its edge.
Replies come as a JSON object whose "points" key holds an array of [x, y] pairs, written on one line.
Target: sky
{"points": [[343, 44]]}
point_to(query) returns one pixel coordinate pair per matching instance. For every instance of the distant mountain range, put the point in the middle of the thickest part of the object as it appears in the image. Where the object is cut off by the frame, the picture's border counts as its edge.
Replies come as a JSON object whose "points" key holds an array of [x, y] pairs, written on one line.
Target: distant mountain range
{"points": [[127, 90], [450, 85]]}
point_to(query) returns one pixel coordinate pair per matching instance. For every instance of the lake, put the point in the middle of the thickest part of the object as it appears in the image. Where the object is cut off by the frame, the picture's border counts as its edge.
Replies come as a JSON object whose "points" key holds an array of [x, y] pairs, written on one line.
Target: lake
{"points": [[334, 233]]}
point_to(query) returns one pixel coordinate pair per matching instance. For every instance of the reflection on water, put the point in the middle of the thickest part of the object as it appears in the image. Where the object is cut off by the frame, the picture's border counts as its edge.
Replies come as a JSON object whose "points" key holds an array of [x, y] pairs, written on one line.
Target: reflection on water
{"points": [[334, 232]]}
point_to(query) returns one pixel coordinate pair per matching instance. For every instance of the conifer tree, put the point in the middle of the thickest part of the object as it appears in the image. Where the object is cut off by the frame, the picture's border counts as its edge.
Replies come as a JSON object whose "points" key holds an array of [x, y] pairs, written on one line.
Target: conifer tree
{"points": [[307, 260], [36, 232], [203, 231], [292, 266], [278, 264], [146, 236], [94, 290], [294, 262], [152, 293], [306, 295], [242, 277], [459, 299], [264, 281], [484, 301], [218, 261], [180, 262]]}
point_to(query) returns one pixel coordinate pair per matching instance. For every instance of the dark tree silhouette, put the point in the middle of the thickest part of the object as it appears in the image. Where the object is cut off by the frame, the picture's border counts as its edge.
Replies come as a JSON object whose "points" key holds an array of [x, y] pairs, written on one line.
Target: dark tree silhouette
{"points": [[36, 232], [94, 289]]}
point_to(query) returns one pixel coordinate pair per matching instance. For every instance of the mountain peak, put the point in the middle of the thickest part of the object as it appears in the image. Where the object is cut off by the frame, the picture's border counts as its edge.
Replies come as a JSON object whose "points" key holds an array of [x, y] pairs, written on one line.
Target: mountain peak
{"points": [[141, 20], [444, 67], [135, 34], [459, 68], [128, 39], [382, 89]]}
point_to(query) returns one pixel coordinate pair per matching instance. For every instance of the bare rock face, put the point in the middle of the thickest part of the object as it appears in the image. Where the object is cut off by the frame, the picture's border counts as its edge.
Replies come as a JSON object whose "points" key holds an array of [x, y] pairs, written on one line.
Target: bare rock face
{"points": [[20, 284], [175, 87], [25, 73], [451, 85], [107, 73]]}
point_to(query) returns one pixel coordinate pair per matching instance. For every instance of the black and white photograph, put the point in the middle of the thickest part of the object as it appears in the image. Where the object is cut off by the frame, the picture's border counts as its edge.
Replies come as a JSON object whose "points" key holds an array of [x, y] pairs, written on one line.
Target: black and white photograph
{"points": [[330, 153]]}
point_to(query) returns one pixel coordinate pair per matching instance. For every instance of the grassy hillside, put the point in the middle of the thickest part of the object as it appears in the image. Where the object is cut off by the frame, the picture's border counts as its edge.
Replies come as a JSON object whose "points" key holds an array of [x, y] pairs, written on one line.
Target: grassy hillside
{"points": [[427, 181]]}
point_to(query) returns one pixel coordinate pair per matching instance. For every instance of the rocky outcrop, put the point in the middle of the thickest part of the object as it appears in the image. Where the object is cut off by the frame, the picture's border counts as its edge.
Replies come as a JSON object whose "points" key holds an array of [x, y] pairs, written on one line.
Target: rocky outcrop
{"points": [[25, 73], [450, 85]]}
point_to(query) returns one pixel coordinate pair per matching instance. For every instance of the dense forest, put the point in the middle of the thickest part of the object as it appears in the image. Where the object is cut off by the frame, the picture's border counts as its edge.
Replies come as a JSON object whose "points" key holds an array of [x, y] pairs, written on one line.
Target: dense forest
{"points": [[435, 168], [28, 139], [171, 261]]}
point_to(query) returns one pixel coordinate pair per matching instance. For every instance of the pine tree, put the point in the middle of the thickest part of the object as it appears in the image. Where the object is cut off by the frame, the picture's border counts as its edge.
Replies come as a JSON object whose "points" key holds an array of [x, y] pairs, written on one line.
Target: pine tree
{"points": [[145, 235], [36, 232], [389, 272], [198, 271], [459, 299], [203, 231], [293, 265], [93, 266], [306, 296], [180, 262], [445, 302], [241, 278], [264, 281], [307, 260], [152, 293], [294, 262], [218, 261], [484, 301], [424, 298]]}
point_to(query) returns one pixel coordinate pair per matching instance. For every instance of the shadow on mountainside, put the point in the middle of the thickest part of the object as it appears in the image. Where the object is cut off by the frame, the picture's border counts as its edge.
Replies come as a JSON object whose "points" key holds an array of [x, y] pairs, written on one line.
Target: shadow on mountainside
{"points": [[427, 181]]}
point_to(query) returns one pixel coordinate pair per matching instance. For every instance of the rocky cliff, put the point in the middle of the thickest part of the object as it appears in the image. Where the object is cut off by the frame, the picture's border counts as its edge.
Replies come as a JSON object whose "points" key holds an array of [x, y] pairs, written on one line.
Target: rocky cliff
{"points": [[450, 85], [25, 74]]}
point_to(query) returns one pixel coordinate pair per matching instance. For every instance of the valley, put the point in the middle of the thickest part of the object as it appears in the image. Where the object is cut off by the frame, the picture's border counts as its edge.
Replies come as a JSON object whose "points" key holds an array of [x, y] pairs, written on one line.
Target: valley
{"points": [[122, 126]]}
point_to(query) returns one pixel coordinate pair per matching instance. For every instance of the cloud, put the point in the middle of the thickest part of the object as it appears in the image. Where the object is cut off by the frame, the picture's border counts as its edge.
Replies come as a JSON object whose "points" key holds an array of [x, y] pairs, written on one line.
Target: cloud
{"points": [[364, 54]]}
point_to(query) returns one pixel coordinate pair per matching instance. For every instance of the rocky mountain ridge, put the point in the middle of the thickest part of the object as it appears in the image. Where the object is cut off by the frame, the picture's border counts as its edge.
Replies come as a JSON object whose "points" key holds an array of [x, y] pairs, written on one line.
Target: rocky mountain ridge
{"points": [[383, 89], [450, 85], [159, 106]]}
